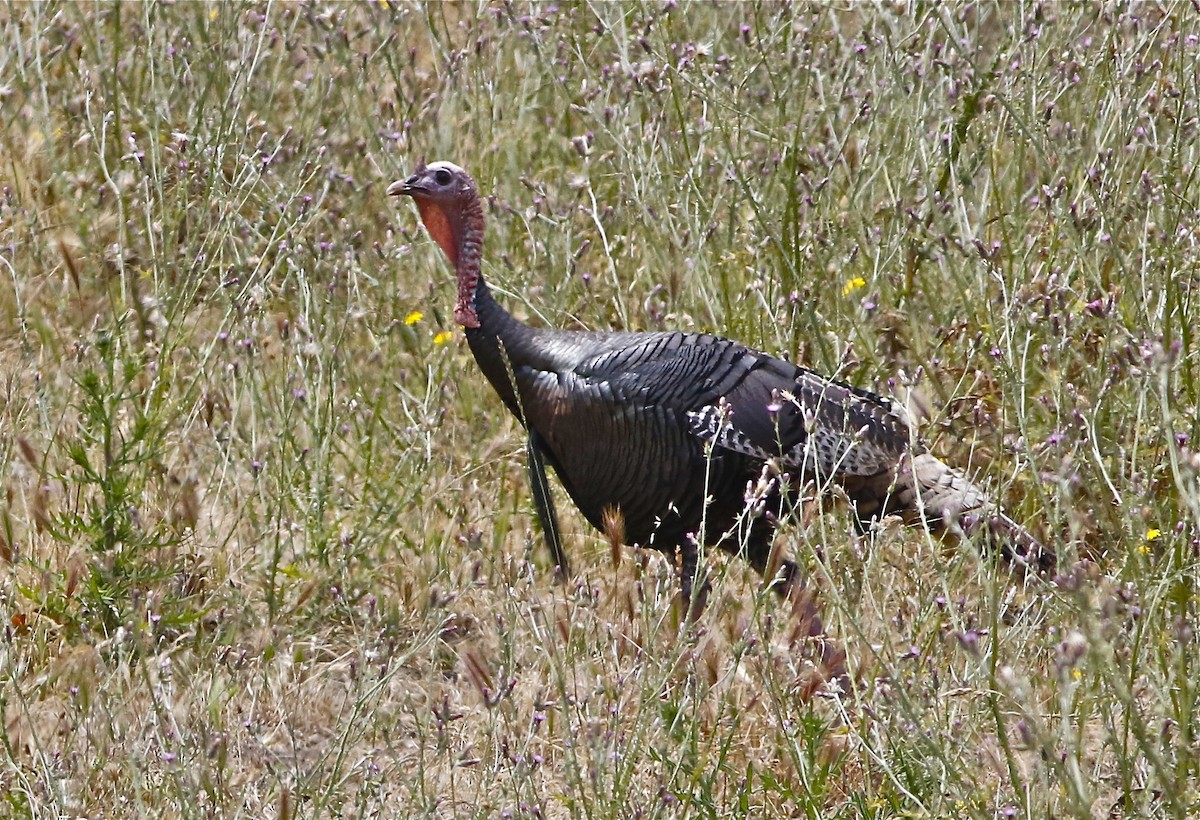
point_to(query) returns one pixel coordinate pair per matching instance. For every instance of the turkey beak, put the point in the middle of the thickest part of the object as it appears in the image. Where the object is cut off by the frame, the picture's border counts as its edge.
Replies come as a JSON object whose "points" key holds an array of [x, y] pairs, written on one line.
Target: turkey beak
{"points": [[404, 187]]}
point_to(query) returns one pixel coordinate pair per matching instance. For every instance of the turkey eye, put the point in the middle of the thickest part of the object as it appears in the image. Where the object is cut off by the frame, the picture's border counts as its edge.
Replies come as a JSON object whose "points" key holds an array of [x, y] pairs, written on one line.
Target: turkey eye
{"points": [[442, 177]]}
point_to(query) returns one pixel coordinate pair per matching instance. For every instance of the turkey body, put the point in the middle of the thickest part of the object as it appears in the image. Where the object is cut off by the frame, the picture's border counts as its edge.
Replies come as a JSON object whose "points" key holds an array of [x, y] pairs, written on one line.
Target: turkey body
{"points": [[688, 438]]}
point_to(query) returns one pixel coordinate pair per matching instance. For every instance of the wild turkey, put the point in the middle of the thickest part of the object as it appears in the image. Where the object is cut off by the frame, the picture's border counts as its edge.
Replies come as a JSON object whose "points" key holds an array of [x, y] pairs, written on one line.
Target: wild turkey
{"points": [[642, 428]]}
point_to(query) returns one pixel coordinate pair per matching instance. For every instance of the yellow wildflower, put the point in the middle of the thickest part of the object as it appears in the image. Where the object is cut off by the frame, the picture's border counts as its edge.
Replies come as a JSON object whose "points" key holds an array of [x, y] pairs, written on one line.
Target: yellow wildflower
{"points": [[1152, 534], [414, 317], [853, 285], [443, 337]]}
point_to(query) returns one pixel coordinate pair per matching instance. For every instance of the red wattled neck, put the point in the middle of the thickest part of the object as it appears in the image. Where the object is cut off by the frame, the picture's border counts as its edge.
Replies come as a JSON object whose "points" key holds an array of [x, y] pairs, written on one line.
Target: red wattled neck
{"points": [[460, 236], [468, 262]]}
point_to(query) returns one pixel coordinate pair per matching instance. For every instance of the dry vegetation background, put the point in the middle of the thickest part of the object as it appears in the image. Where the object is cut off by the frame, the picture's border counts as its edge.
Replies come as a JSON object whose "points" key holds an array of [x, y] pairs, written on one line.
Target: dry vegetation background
{"points": [[266, 546]]}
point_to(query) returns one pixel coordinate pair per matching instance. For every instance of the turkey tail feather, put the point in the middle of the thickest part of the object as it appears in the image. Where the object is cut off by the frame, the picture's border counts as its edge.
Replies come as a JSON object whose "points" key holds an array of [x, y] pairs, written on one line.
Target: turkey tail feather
{"points": [[931, 489]]}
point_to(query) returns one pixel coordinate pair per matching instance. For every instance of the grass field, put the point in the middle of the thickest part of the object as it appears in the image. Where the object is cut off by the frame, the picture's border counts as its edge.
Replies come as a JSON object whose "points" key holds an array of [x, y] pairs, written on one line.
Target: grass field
{"points": [[267, 548]]}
